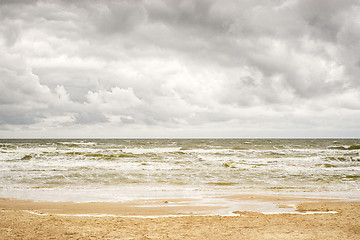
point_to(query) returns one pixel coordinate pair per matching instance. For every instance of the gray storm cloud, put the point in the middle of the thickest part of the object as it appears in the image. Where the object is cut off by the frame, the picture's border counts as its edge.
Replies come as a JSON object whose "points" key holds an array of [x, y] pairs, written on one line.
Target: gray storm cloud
{"points": [[180, 68]]}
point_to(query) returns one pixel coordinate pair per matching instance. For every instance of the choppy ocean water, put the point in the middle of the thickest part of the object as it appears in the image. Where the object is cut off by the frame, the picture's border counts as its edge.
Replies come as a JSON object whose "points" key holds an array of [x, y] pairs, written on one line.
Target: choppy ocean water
{"points": [[83, 170]]}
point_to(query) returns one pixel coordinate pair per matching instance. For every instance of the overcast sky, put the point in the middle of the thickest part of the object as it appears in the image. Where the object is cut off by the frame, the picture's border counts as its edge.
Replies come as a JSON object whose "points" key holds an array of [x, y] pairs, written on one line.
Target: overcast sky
{"points": [[179, 68]]}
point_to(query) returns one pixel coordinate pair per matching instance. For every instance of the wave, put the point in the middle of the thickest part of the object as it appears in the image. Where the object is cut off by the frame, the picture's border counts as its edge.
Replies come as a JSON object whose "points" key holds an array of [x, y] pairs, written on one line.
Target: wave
{"points": [[206, 164], [351, 147]]}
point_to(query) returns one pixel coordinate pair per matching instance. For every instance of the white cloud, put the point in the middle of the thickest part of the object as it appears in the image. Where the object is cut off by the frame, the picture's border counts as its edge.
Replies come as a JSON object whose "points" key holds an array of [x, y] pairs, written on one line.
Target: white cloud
{"points": [[113, 101], [190, 68]]}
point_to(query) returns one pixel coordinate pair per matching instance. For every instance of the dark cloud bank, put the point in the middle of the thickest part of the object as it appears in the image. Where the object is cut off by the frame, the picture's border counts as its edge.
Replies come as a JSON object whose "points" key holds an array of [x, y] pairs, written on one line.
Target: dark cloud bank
{"points": [[158, 68]]}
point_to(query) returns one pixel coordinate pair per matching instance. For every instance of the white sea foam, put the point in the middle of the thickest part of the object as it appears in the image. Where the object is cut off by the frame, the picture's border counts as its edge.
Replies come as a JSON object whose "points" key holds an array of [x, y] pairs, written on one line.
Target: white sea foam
{"points": [[151, 150], [31, 167]]}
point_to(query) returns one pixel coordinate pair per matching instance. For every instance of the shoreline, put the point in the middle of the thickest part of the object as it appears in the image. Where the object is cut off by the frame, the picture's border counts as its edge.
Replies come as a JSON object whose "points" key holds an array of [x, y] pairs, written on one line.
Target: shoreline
{"points": [[205, 206], [154, 219]]}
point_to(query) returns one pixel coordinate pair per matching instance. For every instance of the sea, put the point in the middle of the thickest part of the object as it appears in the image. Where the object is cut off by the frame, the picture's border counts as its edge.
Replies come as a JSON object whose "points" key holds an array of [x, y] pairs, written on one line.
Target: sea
{"points": [[110, 170]]}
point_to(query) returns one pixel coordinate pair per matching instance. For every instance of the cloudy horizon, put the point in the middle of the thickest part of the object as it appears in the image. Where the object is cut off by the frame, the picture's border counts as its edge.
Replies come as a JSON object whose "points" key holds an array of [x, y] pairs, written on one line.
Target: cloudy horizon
{"points": [[179, 69]]}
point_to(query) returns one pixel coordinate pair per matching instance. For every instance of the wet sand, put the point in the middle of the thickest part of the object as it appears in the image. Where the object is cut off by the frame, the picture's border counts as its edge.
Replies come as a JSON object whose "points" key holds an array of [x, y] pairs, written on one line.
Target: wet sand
{"points": [[181, 219]]}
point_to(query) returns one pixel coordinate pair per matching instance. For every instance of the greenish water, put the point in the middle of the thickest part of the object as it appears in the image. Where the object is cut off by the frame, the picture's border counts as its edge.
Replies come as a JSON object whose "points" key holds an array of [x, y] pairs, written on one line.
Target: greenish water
{"points": [[118, 169]]}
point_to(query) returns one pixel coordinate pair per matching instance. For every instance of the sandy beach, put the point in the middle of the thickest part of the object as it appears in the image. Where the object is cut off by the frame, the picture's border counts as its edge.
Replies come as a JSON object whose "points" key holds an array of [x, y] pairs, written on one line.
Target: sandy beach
{"points": [[179, 219]]}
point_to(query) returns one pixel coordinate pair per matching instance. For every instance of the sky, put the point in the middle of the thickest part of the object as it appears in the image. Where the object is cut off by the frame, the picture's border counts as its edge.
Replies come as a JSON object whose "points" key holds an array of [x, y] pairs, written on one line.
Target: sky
{"points": [[179, 68]]}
